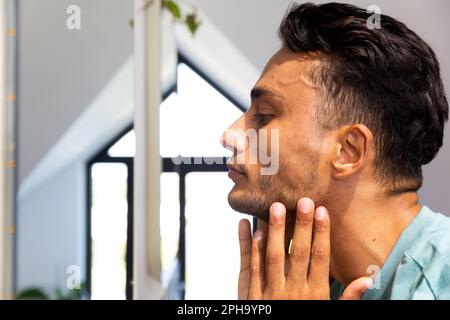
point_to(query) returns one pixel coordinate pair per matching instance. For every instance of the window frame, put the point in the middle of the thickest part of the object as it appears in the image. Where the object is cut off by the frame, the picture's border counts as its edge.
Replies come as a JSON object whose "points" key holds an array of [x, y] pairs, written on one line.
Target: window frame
{"points": [[219, 165]]}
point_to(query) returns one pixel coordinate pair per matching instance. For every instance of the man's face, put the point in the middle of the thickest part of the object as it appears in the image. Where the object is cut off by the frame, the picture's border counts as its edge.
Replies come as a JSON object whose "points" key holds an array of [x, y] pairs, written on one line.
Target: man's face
{"points": [[283, 98]]}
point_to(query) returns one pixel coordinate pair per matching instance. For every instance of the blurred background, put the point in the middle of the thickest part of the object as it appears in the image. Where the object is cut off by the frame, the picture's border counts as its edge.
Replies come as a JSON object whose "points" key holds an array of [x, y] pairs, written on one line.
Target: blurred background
{"points": [[72, 186]]}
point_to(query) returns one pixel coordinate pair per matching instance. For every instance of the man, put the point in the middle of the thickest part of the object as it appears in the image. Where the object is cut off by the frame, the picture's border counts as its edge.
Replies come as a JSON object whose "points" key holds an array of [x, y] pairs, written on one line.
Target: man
{"points": [[357, 111]]}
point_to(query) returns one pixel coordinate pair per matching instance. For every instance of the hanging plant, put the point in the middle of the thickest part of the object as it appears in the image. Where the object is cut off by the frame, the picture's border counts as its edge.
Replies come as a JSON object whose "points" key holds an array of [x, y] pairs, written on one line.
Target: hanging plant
{"points": [[190, 20]]}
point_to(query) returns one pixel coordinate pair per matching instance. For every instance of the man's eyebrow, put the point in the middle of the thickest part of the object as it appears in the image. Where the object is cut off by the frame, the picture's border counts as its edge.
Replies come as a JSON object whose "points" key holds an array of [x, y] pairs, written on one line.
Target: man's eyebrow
{"points": [[259, 92]]}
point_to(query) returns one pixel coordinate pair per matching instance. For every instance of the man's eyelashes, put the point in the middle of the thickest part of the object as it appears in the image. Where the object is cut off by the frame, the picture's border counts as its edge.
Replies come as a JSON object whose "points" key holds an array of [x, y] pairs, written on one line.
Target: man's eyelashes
{"points": [[262, 119]]}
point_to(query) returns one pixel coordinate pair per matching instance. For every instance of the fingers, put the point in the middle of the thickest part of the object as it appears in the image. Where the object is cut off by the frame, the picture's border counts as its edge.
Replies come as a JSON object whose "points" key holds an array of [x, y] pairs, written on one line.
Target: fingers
{"points": [[245, 244], [301, 242], [257, 280], [356, 289], [275, 248], [263, 261], [320, 251]]}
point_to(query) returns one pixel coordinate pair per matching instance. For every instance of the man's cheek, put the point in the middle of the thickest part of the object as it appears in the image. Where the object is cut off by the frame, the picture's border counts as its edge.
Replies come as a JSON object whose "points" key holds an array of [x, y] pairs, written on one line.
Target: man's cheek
{"points": [[268, 151]]}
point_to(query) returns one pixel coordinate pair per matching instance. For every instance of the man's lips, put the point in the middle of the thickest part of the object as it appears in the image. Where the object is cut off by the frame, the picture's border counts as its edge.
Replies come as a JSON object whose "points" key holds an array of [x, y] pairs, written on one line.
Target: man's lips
{"points": [[235, 172]]}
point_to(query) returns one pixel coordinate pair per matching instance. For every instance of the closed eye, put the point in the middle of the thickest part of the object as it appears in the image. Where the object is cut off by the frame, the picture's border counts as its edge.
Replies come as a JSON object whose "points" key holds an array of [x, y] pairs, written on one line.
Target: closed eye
{"points": [[262, 119]]}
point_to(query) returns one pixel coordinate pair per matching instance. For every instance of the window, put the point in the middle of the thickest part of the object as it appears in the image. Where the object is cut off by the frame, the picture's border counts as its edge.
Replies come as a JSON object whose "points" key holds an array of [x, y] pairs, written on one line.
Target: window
{"points": [[212, 246], [198, 232], [109, 230]]}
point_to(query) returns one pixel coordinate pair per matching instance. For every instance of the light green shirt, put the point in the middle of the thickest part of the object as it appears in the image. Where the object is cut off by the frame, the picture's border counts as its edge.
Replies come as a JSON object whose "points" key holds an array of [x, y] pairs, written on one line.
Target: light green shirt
{"points": [[418, 268]]}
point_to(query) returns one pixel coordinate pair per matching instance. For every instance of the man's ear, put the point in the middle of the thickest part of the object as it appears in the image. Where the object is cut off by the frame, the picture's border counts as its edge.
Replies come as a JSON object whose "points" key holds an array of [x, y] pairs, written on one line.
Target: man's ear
{"points": [[353, 150]]}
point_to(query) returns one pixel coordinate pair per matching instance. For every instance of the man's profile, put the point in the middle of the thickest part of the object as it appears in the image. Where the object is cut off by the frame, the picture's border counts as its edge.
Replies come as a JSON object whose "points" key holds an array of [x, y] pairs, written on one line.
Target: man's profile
{"points": [[358, 111]]}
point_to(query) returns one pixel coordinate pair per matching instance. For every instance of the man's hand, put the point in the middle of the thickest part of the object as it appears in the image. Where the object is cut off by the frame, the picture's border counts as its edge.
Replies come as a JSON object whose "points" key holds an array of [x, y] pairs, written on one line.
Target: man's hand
{"points": [[268, 271]]}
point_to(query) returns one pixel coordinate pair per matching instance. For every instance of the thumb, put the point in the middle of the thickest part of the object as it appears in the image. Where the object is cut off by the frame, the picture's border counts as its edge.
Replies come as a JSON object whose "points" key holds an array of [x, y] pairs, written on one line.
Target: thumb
{"points": [[356, 289]]}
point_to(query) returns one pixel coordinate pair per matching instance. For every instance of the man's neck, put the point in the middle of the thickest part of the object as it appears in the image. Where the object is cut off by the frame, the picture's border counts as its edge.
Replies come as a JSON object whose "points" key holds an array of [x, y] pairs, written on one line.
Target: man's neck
{"points": [[363, 236]]}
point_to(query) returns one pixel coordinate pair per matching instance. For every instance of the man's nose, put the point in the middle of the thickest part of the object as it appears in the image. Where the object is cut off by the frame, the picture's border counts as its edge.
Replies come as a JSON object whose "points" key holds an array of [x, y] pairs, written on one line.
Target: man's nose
{"points": [[234, 138]]}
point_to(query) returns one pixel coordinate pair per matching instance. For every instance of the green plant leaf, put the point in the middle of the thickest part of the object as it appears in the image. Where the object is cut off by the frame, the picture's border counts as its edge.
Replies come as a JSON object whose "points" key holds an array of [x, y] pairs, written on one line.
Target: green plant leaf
{"points": [[72, 294], [32, 294], [173, 8], [192, 22], [59, 295]]}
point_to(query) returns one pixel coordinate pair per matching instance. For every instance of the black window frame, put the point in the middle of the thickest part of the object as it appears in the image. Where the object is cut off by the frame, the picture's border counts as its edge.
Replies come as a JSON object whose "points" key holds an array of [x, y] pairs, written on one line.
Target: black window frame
{"points": [[186, 167]]}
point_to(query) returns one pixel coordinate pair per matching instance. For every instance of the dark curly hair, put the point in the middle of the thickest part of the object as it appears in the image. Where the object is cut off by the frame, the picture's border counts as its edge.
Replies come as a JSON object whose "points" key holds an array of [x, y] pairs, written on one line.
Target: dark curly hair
{"points": [[386, 78]]}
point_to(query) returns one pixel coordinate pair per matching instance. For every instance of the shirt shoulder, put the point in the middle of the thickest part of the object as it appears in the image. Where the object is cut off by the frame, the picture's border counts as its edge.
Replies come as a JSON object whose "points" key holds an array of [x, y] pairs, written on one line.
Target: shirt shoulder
{"points": [[424, 271]]}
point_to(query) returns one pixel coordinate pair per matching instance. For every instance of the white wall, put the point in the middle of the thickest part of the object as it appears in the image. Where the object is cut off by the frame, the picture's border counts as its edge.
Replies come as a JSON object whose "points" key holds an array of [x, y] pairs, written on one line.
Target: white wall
{"points": [[51, 234], [62, 70], [68, 81]]}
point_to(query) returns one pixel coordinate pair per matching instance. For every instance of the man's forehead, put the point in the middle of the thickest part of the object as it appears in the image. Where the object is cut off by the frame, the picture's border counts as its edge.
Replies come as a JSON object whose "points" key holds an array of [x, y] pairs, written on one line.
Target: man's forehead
{"points": [[287, 68]]}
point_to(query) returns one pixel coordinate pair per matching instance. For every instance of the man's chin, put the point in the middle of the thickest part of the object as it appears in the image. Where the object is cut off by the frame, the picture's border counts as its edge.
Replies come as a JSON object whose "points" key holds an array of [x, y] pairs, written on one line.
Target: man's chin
{"points": [[247, 203]]}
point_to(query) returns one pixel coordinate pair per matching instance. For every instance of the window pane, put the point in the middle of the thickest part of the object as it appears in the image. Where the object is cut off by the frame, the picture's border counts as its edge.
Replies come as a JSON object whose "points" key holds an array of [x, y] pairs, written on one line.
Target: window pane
{"points": [[169, 129], [125, 147], [212, 246], [109, 230], [191, 122], [169, 142], [204, 114], [169, 224]]}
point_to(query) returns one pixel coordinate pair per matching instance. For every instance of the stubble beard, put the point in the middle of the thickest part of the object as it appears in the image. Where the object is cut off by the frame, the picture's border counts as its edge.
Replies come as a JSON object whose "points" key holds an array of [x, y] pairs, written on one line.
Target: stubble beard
{"points": [[275, 188]]}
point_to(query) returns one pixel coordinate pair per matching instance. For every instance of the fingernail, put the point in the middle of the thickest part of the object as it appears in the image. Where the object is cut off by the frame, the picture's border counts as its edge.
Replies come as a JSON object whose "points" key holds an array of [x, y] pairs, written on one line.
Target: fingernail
{"points": [[306, 205], [277, 209], [320, 213], [258, 235]]}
